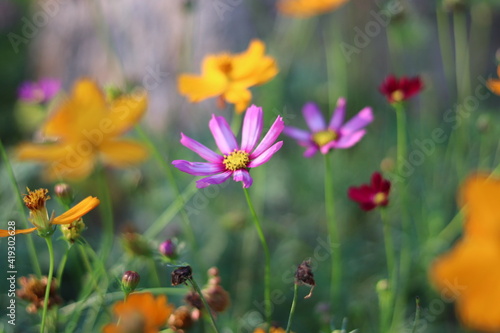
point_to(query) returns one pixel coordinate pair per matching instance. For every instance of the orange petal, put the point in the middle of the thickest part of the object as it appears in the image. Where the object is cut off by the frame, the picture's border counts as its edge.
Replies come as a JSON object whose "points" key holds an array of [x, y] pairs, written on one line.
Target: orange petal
{"points": [[124, 113], [494, 85], [244, 64], [498, 71], [6, 233], [77, 211], [240, 97], [123, 153], [305, 8], [76, 165], [198, 88], [41, 152]]}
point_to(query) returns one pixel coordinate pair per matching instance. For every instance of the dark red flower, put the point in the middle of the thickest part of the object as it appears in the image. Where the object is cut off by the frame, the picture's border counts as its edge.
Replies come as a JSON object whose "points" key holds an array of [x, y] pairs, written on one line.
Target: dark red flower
{"points": [[398, 90], [372, 195]]}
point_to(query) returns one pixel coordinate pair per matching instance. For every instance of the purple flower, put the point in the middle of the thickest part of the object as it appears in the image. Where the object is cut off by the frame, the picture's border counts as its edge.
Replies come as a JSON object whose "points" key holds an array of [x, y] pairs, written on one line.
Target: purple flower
{"points": [[235, 160], [39, 92], [334, 136]]}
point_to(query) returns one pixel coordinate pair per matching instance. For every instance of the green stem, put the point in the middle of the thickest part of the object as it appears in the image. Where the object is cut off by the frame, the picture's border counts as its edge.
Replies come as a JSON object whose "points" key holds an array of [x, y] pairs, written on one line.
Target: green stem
{"points": [[386, 297], [389, 245], [207, 307], [62, 264], [156, 277], [417, 315], [292, 308], [236, 123], [48, 240], [445, 46], [106, 209], [31, 246], [336, 259], [461, 54], [267, 272]]}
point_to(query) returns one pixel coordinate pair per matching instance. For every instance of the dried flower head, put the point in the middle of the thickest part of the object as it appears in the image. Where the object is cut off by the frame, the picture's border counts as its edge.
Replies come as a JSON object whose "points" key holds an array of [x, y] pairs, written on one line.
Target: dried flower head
{"points": [[33, 291], [216, 296], [304, 275], [181, 318]]}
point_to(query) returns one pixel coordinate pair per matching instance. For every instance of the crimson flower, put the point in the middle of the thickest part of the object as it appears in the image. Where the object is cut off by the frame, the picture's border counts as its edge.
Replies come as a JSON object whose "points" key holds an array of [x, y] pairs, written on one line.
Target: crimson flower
{"points": [[398, 90], [372, 195], [235, 160]]}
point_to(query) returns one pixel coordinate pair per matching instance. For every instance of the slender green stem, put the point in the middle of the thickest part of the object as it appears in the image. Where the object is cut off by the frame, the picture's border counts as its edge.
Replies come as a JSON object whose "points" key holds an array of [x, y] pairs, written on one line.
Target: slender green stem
{"points": [[154, 272], [267, 271], [389, 245], [417, 315], [61, 266], [207, 307], [48, 240], [106, 208], [336, 259], [31, 246], [292, 308], [236, 122], [461, 54], [386, 297], [445, 45]]}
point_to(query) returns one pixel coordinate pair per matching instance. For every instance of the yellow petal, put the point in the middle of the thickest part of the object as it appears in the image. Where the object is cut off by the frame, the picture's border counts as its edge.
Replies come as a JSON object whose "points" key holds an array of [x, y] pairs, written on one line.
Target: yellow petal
{"points": [[75, 166], [245, 63], [123, 153], [198, 88], [41, 152], [240, 97], [6, 233], [124, 113], [305, 8], [77, 211]]}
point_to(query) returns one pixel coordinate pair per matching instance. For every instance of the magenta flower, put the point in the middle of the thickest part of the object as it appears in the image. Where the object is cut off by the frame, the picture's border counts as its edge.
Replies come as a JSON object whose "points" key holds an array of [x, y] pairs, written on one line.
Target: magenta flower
{"points": [[372, 195], [235, 161], [334, 136], [39, 92]]}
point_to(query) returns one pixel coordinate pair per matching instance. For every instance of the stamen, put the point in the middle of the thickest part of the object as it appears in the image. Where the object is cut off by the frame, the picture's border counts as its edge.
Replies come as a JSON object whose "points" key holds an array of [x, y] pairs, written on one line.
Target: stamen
{"points": [[236, 160], [323, 137], [379, 198], [35, 200], [398, 96]]}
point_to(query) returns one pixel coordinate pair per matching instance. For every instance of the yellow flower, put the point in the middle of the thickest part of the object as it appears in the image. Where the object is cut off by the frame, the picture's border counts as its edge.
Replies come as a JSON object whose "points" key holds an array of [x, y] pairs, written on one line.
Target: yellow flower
{"points": [[228, 76], [141, 312], [494, 84], [469, 273], [39, 217], [86, 128], [273, 330], [305, 8]]}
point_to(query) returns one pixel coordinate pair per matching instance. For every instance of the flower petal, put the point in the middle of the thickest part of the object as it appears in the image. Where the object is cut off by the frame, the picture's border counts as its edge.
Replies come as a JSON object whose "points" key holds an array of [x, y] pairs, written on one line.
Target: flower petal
{"points": [[266, 155], [252, 128], [311, 150], [125, 112], [200, 149], [198, 168], [123, 153], [313, 117], [348, 140], [297, 134], [77, 211], [224, 137], [338, 115], [240, 96], [6, 233], [269, 138], [243, 175], [42, 152], [363, 118], [213, 180]]}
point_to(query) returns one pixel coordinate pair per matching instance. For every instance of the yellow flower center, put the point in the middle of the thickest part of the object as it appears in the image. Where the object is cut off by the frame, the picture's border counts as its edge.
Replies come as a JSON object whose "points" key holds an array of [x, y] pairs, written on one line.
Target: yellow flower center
{"points": [[236, 160], [379, 198], [398, 96], [225, 64], [323, 137]]}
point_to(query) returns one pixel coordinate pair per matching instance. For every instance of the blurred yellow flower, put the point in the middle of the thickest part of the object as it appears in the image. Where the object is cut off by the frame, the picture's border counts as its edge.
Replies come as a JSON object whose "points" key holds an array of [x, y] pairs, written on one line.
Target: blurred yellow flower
{"points": [[305, 8], [141, 312], [273, 330], [494, 84], [86, 128], [469, 273], [228, 76]]}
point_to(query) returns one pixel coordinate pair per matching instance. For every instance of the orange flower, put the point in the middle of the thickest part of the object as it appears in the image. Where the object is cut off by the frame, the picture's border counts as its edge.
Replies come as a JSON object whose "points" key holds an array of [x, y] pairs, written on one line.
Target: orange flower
{"points": [[494, 84], [469, 273], [305, 8], [86, 128], [230, 75], [39, 217], [273, 330], [141, 312]]}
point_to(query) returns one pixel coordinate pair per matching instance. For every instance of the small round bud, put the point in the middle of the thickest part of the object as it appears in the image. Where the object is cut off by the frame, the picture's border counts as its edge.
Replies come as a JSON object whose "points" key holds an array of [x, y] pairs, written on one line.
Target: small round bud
{"points": [[382, 285], [64, 193], [130, 280], [181, 318], [168, 249]]}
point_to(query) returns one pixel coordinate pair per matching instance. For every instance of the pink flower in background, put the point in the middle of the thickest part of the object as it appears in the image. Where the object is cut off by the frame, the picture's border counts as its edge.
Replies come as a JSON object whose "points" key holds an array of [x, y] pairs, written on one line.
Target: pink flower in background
{"points": [[336, 135], [235, 161], [369, 196], [39, 92], [398, 90]]}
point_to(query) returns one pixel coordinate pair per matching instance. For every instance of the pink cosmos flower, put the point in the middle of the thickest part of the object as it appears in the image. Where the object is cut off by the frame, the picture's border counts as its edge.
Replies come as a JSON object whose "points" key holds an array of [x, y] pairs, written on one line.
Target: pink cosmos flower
{"points": [[334, 136], [235, 161], [39, 92], [372, 195]]}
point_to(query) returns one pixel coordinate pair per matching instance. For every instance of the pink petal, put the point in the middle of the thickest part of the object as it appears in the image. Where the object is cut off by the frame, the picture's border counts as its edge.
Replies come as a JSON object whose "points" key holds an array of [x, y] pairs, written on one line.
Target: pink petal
{"points": [[213, 180], [265, 156], [310, 151], [313, 117], [350, 140], [338, 115], [363, 118], [252, 128], [297, 134], [223, 136], [270, 137], [200, 149], [243, 175], [198, 168]]}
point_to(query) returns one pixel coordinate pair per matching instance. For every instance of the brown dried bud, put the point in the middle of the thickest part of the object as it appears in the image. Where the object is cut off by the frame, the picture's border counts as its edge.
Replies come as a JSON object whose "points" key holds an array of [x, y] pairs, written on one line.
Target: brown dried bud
{"points": [[181, 318], [181, 275], [304, 275], [192, 298], [217, 298], [33, 291]]}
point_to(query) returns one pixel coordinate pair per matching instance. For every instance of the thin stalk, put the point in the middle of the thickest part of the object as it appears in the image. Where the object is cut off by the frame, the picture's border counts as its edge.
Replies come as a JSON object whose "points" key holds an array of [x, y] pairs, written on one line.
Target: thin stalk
{"points": [[106, 209], [336, 263], [389, 245], [417, 315], [292, 308], [61, 266], [267, 271], [207, 307], [154, 270], [386, 297], [31, 246], [48, 240], [462, 66], [445, 45]]}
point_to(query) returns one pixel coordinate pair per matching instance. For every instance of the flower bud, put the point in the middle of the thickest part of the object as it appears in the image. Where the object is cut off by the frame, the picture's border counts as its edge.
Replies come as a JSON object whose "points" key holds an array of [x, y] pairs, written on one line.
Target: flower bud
{"points": [[130, 280], [64, 193], [181, 275], [71, 232], [168, 249]]}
